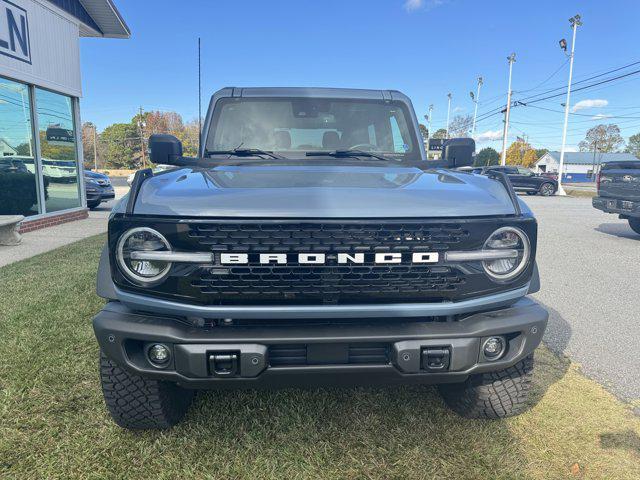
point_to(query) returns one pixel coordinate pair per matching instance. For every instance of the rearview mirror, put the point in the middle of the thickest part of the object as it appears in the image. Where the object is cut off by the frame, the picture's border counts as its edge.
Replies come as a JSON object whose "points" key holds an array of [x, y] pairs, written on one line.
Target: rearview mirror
{"points": [[165, 149]]}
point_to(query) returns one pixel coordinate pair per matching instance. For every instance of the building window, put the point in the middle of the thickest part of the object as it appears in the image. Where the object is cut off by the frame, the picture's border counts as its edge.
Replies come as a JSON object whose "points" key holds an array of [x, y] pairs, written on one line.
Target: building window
{"points": [[18, 172], [58, 152]]}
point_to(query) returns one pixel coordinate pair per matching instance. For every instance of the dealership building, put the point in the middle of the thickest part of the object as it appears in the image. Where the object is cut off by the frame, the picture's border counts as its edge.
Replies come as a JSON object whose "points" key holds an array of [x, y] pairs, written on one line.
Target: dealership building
{"points": [[40, 87], [579, 166]]}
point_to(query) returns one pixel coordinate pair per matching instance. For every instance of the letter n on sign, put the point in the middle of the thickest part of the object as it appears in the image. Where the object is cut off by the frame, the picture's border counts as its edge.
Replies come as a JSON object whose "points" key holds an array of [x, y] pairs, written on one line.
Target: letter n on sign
{"points": [[14, 32]]}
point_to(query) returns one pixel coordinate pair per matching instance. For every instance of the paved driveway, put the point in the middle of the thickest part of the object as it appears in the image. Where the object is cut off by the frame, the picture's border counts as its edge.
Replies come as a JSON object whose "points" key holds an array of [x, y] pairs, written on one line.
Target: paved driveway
{"points": [[590, 270]]}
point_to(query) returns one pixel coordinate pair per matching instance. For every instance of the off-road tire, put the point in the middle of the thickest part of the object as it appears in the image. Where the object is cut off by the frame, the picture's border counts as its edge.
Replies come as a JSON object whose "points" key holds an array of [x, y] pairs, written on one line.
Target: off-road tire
{"points": [[547, 189], [634, 223], [499, 394], [139, 403]]}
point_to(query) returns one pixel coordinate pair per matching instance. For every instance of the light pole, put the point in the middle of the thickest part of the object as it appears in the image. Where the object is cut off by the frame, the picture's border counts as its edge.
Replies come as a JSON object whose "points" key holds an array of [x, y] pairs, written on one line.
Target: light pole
{"points": [[475, 111], [448, 112], [503, 159], [95, 148], [575, 22], [428, 119]]}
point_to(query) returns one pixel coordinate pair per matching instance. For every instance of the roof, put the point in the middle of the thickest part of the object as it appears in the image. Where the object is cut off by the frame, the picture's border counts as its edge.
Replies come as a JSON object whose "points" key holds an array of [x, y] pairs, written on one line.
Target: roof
{"points": [[586, 158], [100, 18], [314, 92]]}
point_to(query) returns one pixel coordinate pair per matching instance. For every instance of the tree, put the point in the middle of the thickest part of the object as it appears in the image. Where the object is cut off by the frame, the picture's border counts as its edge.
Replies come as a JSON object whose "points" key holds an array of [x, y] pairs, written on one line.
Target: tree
{"points": [[440, 133], [633, 146], [460, 126], [88, 136], [521, 153], [486, 156], [424, 131], [121, 144], [603, 138], [540, 152]]}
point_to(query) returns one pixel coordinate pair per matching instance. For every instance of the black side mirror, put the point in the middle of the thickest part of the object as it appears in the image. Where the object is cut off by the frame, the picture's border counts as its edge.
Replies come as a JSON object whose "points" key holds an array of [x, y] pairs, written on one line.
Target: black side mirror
{"points": [[458, 152], [165, 149]]}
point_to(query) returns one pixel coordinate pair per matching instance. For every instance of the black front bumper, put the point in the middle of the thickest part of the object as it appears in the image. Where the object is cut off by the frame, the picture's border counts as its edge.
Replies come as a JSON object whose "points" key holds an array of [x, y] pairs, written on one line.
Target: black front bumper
{"points": [[394, 351], [624, 208]]}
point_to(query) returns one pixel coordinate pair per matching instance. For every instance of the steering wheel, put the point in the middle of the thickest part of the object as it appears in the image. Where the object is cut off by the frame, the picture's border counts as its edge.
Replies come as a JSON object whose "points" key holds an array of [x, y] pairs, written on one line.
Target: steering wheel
{"points": [[365, 147]]}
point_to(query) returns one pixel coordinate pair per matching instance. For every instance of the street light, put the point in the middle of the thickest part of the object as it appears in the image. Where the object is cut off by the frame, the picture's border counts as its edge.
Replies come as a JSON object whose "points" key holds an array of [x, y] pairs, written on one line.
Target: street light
{"points": [[448, 112]]}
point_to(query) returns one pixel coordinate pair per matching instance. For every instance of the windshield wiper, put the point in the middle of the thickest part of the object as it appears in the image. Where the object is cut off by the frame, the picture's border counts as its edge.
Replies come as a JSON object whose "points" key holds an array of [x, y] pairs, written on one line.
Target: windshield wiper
{"points": [[244, 152], [347, 154]]}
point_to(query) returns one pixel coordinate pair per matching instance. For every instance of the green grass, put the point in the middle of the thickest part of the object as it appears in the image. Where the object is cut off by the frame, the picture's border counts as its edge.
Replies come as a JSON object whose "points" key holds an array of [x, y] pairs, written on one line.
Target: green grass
{"points": [[53, 423]]}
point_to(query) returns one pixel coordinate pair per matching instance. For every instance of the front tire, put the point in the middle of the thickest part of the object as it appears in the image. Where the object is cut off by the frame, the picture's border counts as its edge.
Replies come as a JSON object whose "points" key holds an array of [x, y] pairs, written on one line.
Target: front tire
{"points": [[141, 403], [499, 394], [634, 223], [547, 189]]}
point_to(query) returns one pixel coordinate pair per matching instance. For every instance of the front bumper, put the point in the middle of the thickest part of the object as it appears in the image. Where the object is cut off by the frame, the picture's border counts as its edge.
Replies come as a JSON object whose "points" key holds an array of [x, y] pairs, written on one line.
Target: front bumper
{"points": [[625, 208], [108, 193], [392, 351]]}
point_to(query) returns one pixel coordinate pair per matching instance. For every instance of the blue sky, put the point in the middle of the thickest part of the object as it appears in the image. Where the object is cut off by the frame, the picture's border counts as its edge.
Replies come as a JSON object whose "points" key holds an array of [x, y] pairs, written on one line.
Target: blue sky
{"points": [[425, 48]]}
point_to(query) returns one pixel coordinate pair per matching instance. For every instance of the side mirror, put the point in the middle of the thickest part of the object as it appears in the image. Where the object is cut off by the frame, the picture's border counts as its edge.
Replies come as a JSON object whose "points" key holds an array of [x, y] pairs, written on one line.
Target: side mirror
{"points": [[458, 152], [165, 149]]}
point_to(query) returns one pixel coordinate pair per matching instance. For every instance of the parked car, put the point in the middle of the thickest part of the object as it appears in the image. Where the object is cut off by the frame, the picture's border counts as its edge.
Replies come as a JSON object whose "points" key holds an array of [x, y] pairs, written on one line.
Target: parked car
{"points": [[156, 169], [325, 249], [526, 180], [98, 188], [619, 191]]}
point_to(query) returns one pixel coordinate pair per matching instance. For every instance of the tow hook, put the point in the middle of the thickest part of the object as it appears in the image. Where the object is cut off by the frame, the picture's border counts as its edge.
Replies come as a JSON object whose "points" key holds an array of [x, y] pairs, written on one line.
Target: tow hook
{"points": [[224, 364]]}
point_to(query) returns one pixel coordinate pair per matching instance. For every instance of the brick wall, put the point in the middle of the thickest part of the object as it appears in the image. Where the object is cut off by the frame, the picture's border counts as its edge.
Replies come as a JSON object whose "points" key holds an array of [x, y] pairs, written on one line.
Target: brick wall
{"points": [[64, 217]]}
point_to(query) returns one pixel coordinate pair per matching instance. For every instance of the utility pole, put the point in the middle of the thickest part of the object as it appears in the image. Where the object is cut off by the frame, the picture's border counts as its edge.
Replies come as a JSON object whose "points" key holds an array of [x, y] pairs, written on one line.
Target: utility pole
{"points": [[140, 128], [448, 112], [475, 111], [503, 160], [95, 149], [595, 151], [429, 128], [575, 22]]}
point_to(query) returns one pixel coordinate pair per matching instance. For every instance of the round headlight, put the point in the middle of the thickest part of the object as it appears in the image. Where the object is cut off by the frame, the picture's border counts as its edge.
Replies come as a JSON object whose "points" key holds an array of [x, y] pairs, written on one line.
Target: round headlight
{"points": [[131, 249], [517, 249]]}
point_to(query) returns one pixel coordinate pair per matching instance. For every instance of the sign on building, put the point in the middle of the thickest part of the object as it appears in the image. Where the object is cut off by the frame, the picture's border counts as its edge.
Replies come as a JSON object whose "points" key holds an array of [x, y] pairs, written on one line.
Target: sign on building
{"points": [[14, 32]]}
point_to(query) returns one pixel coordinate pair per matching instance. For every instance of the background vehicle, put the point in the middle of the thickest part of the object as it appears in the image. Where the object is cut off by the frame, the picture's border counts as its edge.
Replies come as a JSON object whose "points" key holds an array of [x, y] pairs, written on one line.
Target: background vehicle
{"points": [[312, 243], [526, 180], [619, 191], [156, 169], [98, 188]]}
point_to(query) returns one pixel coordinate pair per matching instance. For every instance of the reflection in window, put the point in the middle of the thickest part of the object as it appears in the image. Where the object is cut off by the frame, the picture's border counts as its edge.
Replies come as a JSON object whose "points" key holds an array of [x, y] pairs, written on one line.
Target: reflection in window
{"points": [[18, 184], [58, 149]]}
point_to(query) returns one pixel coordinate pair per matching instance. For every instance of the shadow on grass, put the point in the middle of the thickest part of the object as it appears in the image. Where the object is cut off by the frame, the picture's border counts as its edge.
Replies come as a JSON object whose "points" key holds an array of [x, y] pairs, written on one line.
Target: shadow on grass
{"points": [[627, 439], [619, 229]]}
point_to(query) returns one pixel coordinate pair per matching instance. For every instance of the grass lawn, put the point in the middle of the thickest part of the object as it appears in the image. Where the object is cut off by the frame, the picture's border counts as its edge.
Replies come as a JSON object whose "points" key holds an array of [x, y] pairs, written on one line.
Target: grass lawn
{"points": [[53, 423]]}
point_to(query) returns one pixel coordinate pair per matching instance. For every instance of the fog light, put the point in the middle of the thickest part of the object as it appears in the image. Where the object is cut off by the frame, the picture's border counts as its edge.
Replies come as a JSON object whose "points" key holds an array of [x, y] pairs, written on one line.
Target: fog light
{"points": [[494, 348], [159, 354]]}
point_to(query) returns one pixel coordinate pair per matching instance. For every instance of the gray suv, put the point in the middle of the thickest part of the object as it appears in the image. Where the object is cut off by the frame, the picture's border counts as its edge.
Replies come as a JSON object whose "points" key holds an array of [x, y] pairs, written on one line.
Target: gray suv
{"points": [[312, 243]]}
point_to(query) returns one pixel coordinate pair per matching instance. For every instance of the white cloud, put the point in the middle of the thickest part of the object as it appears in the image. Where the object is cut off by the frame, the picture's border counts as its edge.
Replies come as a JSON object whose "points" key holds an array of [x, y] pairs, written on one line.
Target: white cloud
{"points": [[413, 5], [600, 116], [458, 109], [591, 103], [489, 136]]}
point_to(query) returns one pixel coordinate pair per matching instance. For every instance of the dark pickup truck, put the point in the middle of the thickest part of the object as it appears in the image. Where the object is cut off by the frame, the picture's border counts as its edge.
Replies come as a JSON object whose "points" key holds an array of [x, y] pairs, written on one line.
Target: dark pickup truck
{"points": [[619, 191]]}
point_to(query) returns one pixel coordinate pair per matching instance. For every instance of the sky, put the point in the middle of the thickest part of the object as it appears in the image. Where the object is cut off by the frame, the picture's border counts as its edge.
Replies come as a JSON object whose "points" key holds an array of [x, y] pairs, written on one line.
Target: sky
{"points": [[424, 48]]}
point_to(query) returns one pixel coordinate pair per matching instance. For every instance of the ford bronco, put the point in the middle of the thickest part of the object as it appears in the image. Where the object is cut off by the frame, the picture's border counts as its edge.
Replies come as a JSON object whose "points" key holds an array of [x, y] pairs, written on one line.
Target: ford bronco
{"points": [[619, 191], [312, 243]]}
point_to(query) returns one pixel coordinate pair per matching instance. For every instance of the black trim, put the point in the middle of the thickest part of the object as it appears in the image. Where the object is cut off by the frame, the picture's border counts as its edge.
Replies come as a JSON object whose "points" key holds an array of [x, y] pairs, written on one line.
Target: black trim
{"points": [[503, 178], [138, 179]]}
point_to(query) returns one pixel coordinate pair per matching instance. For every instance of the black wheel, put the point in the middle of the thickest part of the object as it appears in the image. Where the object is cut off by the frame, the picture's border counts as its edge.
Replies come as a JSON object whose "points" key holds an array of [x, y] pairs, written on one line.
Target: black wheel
{"points": [[547, 189], [138, 403], [499, 394], [634, 223], [92, 205]]}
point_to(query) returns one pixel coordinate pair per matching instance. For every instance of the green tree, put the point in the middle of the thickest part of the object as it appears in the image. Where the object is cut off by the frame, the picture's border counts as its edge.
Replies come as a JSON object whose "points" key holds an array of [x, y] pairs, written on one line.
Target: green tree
{"points": [[540, 152], [602, 138], [486, 156], [440, 133], [633, 145], [121, 145]]}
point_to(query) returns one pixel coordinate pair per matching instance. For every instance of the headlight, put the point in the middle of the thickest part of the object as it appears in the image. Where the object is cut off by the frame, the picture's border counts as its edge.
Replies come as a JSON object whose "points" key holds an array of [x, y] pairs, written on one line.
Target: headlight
{"points": [[135, 243], [516, 243]]}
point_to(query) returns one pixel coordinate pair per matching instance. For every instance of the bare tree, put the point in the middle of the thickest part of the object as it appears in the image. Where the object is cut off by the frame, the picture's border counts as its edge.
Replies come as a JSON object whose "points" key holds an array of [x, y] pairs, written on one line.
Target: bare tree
{"points": [[460, 126], [602, 138]]}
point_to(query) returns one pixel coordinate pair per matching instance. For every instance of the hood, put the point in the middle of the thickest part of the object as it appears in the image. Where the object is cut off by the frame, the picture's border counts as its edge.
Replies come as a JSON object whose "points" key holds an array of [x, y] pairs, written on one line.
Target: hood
{"points": [[321, 192], [96, 175]]}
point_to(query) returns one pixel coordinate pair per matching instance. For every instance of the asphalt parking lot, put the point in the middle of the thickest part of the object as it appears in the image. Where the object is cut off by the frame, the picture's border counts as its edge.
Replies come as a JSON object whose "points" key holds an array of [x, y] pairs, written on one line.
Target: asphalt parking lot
{"points": [[589, 265]]}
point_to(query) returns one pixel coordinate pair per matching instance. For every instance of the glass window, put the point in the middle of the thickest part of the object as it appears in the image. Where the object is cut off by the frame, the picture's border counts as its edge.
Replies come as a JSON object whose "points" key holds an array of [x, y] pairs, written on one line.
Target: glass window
{"points": [[58, 150], [524, 171], [294, 126], [18, 179]]}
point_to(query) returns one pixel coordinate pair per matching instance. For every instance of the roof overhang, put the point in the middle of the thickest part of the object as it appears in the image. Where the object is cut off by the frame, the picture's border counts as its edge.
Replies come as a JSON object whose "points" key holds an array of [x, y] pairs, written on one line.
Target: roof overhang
{"points": [[98, 18]]}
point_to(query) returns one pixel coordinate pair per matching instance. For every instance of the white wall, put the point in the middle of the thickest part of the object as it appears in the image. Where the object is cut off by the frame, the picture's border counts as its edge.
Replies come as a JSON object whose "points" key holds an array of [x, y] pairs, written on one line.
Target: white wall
{"points": [[54, 49]]}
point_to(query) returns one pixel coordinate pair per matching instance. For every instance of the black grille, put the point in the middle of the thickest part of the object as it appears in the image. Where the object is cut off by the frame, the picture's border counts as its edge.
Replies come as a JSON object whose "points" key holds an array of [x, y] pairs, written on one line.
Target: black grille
{"points": [[355, 353], [328, 283]]}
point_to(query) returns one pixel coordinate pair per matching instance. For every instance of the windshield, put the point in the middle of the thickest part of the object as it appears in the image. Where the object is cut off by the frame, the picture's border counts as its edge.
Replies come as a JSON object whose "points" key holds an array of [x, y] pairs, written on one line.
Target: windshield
{"points": [[292, 127]]}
